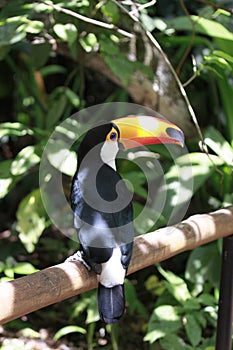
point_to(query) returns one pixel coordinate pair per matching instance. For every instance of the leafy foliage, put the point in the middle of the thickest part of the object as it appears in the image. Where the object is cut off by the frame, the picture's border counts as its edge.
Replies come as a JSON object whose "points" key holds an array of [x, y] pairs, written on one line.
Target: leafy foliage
{"points": [[182, 315]]}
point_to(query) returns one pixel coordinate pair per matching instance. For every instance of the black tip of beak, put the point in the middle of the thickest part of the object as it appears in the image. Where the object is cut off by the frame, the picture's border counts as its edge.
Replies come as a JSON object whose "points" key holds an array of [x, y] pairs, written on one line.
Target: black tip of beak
{"points": [[121, 146], [176, 135]]}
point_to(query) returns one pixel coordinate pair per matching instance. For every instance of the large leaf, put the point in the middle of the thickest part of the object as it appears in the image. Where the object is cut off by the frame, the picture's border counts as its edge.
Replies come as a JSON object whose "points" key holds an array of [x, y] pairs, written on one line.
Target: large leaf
{"points": [[164, 320], [31, 219], [202, 25], [183, 179], [193, 329], [58, 100], [9, 35], [61, 158], [120, 66], [214, 139], [176, 286], [173, 342], [204, 265], [25, 160]]}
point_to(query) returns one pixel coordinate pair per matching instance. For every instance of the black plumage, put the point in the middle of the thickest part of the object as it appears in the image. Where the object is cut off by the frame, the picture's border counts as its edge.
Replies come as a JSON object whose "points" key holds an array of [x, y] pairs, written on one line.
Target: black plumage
{"points": [[103, 216], [101, 202]]}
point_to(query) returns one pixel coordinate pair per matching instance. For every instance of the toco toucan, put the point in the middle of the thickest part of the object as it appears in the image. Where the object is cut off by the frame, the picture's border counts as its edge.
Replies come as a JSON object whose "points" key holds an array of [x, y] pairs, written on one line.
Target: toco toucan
{"points": [[101, 203]]}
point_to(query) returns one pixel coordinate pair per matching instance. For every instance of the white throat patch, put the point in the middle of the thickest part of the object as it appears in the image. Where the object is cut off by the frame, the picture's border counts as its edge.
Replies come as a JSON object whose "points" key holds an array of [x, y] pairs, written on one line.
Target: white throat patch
{"points": [[108, 153]]}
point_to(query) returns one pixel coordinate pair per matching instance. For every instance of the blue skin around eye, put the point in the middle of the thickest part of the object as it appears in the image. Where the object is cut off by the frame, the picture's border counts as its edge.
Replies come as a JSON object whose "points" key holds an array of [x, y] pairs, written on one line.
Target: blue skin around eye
{"points": [[113, 136]]}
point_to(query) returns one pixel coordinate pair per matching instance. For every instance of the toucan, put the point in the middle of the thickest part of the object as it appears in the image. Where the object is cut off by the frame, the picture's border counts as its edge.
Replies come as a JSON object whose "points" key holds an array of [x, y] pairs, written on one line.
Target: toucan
{"points": [[102, 204]]}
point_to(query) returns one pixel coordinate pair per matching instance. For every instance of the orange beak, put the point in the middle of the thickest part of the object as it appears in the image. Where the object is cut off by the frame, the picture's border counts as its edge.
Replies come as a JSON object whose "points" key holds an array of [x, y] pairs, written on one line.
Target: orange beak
{"points": [[145, 130]]}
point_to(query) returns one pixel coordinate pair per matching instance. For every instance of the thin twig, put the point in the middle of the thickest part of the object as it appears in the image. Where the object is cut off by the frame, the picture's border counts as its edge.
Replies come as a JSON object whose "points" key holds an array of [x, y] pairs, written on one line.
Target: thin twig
{"points": [[88, 20], [144, 6], [195, 74], [215, 6], [182, 90], [188, 49]]}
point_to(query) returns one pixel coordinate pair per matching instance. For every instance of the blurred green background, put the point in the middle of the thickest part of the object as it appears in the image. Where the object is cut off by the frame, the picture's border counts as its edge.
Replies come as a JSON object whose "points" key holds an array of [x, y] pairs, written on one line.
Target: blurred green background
{"points": [[58, 57]]}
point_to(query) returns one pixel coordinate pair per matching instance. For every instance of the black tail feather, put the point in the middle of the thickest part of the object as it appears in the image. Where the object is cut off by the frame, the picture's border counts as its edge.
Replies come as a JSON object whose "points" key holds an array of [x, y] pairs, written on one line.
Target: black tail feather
{"points": [[111, 303]]}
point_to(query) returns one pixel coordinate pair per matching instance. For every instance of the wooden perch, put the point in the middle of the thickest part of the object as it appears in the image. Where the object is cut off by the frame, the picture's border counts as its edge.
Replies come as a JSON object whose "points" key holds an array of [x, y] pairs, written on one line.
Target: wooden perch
{"points": [[27, 294]]}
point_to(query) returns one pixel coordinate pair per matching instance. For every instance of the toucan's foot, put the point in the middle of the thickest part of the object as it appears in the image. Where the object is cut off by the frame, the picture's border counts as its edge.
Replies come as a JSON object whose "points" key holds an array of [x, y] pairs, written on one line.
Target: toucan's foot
{"points": [[78, 256]]}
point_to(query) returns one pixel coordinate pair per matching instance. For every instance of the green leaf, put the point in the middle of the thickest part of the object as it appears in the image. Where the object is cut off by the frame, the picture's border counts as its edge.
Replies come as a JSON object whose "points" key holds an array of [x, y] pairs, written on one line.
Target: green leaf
{"points": [[176, 286], [111, 10], [25, 160], [14, 129], [218, 62], [92, 309], [173, 342], [89, 42], [226, 93], [67, 32], [31, 220], [153, 335], [52, 69], [40, 54], [152, 23], [6, 179], [193, 329], [207, 299], [29, 333], [134, 303], [72, 97], [204, 265], [137, 180], [223, 55], [57, 104], [32, 27], [120, 66], [61, 157], [154, 285], [202, 25], [81, 305], [214, 139], [67, 330], [69, 128], [192, 304], [107, 45], [24, 268], [184, 179], [9, 35], [164, 320]]}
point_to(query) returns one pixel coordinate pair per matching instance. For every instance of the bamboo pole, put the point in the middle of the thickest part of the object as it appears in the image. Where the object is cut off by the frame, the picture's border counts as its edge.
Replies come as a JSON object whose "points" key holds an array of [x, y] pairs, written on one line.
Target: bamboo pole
{"points": [[54, 284]]}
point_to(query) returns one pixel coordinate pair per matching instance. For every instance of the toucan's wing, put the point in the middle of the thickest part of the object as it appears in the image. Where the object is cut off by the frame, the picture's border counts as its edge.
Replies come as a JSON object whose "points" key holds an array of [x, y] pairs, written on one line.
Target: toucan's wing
{"points": [[126, 251]]}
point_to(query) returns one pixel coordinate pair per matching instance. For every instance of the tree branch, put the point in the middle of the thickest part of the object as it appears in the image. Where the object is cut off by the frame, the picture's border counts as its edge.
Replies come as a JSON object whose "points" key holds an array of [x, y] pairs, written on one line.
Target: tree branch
{"points": [[87, 19], [27, 294]]}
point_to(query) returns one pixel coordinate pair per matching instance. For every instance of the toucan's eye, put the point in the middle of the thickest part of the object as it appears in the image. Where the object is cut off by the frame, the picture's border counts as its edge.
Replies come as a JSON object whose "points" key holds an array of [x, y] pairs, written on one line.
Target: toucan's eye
{"points": [[113, 136]]}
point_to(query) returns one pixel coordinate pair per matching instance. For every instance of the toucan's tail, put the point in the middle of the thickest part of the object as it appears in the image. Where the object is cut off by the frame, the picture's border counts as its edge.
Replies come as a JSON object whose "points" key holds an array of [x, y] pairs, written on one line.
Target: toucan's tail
{"points": [[111, 303]]}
